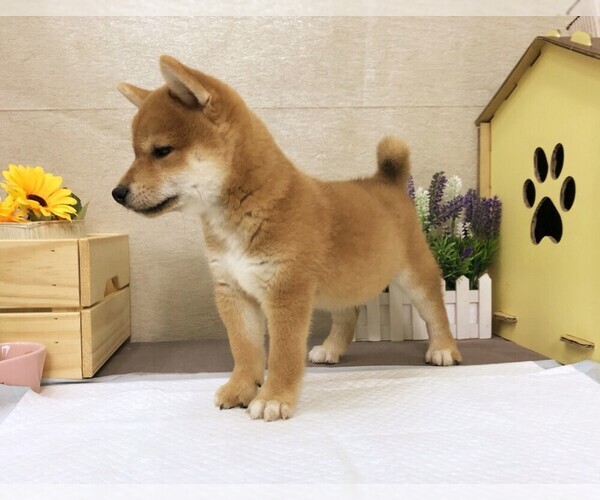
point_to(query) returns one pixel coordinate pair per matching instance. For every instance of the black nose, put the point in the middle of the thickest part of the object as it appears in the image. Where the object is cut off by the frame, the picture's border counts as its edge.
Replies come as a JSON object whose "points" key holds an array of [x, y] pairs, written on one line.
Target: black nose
{"points": [[120, 193]]}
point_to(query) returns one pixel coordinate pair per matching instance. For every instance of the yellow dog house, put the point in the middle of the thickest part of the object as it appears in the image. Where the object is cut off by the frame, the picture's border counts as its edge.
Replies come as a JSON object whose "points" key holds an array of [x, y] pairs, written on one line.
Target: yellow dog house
{"points": [[540, 153]]}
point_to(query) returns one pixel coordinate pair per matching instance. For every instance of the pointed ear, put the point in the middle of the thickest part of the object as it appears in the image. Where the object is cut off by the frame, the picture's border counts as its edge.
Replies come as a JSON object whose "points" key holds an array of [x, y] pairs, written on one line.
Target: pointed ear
{"points": [[182, 82], [135, 94]]}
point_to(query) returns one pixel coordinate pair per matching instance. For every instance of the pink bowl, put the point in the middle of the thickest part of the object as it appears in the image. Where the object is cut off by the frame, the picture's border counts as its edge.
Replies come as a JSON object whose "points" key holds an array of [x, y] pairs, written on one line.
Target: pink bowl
{"points": [[22, 363]]}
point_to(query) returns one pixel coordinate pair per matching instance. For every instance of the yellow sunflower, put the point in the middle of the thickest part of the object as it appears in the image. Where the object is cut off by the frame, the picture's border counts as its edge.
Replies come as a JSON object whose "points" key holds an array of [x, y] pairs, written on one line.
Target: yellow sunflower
{"points": [[35, 190], [10, 211]]}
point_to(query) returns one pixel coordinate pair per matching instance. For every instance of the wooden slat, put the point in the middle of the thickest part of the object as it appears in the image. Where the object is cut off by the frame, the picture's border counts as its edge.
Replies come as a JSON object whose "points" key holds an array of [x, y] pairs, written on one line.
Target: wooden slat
{"points": [[504, 317], [576, 341], [104, 261], [485, 162], [373, 320], [397, 300], [485, 307], [360, 331], [39, 274], [59, 332], [109, 321], [450, 306], [43, 230], [419, 329], [462, 308]]}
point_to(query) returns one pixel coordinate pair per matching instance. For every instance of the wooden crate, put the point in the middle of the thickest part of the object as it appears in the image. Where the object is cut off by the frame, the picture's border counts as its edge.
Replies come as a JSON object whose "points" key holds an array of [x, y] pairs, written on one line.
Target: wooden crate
{"points": [[391, 316], [70, 294]]}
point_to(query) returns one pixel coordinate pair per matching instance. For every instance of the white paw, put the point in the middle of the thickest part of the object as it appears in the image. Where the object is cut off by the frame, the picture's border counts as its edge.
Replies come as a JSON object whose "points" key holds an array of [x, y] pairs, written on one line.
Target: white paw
{"points": [[319, 354], [443, 357], [269, 410]]}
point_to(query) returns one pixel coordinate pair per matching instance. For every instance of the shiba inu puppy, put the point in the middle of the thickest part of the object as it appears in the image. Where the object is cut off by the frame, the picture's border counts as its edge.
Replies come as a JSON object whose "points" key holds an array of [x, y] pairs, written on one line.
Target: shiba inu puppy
{"points": [[279, 242]]}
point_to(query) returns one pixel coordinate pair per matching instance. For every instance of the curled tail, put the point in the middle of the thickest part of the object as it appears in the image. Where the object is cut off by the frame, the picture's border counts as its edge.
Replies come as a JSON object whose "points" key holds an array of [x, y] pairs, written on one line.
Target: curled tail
{"points": [[393, 161]]}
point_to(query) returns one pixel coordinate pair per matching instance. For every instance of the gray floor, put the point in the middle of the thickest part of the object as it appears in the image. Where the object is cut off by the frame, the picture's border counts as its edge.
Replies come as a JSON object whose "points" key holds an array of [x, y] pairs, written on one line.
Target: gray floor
{"points": [[214, 356]]}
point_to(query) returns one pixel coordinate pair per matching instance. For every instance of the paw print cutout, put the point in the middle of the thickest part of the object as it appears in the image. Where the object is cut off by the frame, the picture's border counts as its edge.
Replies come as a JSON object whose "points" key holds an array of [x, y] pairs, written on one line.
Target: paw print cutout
{"points": [[546, 220]]}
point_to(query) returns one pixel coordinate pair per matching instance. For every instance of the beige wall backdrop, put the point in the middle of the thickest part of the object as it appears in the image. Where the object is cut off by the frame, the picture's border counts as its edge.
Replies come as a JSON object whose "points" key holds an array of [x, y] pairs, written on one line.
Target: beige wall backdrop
{"points": [[328, 87]]}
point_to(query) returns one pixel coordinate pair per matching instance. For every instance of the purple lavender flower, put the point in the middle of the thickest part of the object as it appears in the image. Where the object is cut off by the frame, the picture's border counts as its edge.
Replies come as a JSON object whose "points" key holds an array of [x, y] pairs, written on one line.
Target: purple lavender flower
{"points": [[485, 217], [450, 210], [411, 187], [466, 253], [440, 211], [436, 194], [469, 199], [495, 208], [479, 218]]}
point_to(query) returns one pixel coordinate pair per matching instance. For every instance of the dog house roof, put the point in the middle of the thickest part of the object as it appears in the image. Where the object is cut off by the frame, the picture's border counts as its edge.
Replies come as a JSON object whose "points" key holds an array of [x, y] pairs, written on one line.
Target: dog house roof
{"points": [[527, 59]]}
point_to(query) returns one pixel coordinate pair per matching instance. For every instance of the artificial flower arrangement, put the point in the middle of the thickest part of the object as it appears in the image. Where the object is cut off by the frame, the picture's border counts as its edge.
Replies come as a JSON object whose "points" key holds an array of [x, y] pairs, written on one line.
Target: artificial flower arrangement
{"points": [[34, 195], [462, 230]]}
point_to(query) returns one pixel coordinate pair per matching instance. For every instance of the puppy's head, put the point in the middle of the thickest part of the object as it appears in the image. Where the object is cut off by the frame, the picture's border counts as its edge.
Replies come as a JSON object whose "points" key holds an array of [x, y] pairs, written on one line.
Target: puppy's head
{"points": [[184, 135]]}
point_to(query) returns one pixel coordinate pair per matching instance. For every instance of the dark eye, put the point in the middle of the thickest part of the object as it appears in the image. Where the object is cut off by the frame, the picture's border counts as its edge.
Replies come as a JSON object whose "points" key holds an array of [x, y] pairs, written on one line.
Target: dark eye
{"points": [[161, 151]]}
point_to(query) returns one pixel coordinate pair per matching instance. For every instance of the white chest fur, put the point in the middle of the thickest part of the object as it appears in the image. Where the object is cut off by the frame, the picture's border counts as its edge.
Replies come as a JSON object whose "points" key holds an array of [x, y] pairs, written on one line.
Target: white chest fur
{"points": [[234, 266], [247, 272]]}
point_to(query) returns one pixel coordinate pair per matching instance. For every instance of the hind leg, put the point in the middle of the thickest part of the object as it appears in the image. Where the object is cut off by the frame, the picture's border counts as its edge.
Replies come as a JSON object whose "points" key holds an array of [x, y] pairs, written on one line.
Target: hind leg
{"points": [[422, 285], [338, 340]]}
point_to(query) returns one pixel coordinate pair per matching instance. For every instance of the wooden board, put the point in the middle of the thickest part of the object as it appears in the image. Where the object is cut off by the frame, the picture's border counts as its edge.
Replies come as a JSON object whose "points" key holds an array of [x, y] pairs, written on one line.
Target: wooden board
{"points": [[43, 230], [485, 144], [60, 332], [104, 327], [39, 274], [104, 261]]}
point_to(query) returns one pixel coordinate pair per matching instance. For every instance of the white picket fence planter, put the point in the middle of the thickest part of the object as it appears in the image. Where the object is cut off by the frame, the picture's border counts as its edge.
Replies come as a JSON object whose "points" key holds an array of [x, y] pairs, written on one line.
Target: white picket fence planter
{"points": [[391, 316]]}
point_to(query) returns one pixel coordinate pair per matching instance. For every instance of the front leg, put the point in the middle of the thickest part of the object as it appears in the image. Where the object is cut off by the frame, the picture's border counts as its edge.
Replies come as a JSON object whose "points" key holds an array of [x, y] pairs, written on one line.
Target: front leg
{"points": [[245, 325], [288, 315]]}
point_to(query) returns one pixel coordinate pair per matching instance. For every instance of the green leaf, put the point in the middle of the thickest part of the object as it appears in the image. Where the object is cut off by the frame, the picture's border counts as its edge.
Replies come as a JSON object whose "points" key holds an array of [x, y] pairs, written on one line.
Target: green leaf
{"points": [[81, 209], [77, 206], [81, 214]]}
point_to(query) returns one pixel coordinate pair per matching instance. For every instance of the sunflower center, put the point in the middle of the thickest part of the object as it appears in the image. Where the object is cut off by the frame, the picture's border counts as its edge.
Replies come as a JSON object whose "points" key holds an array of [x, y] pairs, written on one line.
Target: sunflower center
{"points": [[37, 198]]}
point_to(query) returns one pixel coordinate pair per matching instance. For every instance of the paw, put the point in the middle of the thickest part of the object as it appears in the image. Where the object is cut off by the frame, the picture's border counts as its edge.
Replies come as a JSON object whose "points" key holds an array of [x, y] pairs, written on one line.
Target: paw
{"points": [[272, 405], [236, 394], [443, 355], [270, 410], [319, 354]]}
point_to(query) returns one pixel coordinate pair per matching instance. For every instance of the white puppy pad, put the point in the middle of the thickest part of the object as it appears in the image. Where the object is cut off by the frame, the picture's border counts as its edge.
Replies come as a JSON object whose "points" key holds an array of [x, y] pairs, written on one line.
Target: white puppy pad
{"points": [[512, 423]]}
